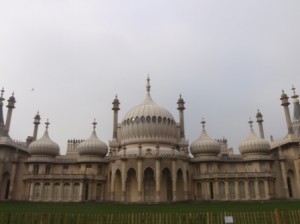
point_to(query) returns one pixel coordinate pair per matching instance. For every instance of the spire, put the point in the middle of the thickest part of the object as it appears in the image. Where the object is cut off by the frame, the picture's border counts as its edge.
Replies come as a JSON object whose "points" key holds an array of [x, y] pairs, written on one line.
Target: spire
{"points": [[296, 119], [47, 125], [116, 108], [1, 112], [10, 106], [148, 87], [203, 124], [285, 103], [181, 108], [94, 124], [250, 123]]}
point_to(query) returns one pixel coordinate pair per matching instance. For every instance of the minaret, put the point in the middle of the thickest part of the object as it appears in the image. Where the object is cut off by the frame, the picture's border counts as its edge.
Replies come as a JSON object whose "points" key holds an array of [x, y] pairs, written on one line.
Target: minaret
{"points": [[10, 106], [181, 108], [1, 113], [296, 120], [115, 108], [36, 123], [285, 103], [260, 121]]}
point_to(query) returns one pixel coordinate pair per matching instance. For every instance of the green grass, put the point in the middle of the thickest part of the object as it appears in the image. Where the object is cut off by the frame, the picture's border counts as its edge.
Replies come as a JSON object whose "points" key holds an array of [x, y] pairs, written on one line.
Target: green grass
{"points": [[104, 208]]}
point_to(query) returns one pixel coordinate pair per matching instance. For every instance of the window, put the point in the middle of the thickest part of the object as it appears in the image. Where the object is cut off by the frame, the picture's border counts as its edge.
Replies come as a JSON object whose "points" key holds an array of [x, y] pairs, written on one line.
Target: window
{"points": [[88, 168], [232, 168], [66, 192], [251, 189], [261, 187], [231, 190], [263, 167], [222, 190], [47, 170], [46, 191], [56, 191], [35, 169], [36, 191], [242, 189], [65, 169]]}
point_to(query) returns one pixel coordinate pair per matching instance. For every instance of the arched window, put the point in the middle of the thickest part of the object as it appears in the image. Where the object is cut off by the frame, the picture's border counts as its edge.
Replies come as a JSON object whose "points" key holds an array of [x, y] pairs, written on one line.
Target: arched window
{"points": [[251, 190], [46, 192], [36, 191], [66, 192], [56, 191], [242, 189], [231, 190], [261, 187], [76, 192], [149, 185], [222, 190]]}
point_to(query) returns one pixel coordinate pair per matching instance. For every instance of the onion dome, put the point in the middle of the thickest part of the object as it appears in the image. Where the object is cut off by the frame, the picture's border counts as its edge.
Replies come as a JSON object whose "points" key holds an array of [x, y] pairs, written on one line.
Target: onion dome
{"points": [[44, 146], [205, 145], [254, 144], [92, 146], [148, 123]]}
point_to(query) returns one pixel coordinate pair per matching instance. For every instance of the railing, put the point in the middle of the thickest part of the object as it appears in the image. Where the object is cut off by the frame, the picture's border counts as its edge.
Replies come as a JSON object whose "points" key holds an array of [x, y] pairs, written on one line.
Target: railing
{"points": [[232, 175]]}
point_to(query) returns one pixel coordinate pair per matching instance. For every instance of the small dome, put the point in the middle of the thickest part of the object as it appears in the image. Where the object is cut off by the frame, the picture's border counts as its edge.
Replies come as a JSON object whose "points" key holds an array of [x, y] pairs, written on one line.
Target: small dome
{"points": [[92, 146], [205, 145], [254, 144], [44, 146]]}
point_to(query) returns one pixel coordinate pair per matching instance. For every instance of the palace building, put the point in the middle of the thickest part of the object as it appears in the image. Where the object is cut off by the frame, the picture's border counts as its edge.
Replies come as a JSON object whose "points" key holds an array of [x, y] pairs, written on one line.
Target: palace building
{"points": [[150, 160]]}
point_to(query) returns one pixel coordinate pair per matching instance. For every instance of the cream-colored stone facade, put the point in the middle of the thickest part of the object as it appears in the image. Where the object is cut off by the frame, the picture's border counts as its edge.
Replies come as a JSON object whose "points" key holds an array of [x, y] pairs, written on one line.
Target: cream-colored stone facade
{"points": [[149, 160]]}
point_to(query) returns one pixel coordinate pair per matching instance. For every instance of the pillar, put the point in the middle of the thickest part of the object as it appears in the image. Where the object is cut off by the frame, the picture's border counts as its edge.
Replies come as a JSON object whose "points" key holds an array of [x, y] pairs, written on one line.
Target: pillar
{"points": [[123, 180], [256, 187], [112, 186], [174, 179], [284, 177], [157, 179], [185, 183], [12, 181], [297, 180], [267, 191], [247, 192], [226, 190], [237, 192], [140, 180], [217, 193]]}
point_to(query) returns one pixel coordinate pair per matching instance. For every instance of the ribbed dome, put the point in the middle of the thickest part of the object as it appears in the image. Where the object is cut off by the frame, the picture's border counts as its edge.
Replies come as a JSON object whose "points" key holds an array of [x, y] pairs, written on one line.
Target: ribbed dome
{"points": [[254, 144], [205, 145], [92, 146], [44, 146], [148, 122]]}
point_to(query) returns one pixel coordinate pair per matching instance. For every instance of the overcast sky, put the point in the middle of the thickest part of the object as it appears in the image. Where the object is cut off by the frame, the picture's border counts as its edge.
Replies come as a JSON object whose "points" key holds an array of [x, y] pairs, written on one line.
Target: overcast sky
{"points": [[227, 59]]}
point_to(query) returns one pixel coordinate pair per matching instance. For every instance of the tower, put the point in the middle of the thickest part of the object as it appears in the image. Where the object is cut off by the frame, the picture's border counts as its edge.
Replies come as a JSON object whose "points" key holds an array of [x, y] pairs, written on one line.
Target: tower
{"points": [[1, 113], [116, 108], [296, 119], [181, 108], [260, 121], [285, 103], [10, 106], [36, 123]]}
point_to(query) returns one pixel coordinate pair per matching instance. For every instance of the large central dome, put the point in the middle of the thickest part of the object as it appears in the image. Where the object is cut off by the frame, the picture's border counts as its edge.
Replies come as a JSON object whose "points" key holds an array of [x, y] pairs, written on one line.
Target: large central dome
{"points": [[148, 123]]}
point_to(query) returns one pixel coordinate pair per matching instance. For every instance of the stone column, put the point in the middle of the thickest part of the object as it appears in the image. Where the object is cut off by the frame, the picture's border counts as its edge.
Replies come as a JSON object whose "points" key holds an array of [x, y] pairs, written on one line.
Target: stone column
{"points": [[247, 192], [284, 177], [31, 192], [226, 190], [296, 192], [257, 191], [237, 192], [217, 193], [185, 183], [174, 179], [12, 181], [140, 180], [81, 191], [71, 197], [267, 192], [112, 186], [157, 179], [51, 191], [123, 177]]}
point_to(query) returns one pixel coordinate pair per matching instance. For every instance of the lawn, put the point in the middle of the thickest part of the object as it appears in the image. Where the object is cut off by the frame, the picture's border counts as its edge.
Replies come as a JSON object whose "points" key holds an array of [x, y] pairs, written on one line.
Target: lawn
{"points": [[105, 208]]}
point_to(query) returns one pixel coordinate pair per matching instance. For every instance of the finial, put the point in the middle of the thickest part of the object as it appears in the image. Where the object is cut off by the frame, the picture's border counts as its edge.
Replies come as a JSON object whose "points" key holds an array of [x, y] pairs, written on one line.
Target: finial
{"points": [[180, 95], [295, 96], [250, 122], [2, 91], [94, 124], [116, 96], [47, 124], [203, 124], [13, 94], [148, 84]]}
